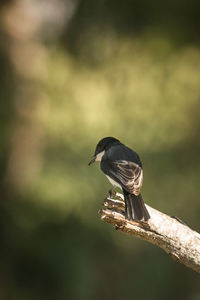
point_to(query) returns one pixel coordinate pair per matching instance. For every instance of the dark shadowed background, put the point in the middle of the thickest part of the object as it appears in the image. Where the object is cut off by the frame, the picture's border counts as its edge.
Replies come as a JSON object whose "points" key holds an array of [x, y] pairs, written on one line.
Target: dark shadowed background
{"points": [[72, 72]]}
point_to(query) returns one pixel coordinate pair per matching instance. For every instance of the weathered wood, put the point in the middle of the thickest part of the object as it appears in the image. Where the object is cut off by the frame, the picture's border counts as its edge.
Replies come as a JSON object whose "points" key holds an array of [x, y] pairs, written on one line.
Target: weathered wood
{"points": [[178, 240]]}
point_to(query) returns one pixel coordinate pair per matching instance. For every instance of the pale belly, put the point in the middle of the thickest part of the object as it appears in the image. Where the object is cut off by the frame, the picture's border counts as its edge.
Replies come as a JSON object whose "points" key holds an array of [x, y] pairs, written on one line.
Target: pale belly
{"points": [[114, 183]]}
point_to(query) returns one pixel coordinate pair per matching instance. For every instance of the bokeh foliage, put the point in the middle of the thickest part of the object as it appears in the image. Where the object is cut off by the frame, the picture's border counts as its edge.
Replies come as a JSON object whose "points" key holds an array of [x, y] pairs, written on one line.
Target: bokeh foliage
{"points": [[129, 70]]}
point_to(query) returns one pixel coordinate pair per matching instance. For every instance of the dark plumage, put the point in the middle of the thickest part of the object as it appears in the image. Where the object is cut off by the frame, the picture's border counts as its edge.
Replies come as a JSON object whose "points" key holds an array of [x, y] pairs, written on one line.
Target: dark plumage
{"points": [[123, 168]]}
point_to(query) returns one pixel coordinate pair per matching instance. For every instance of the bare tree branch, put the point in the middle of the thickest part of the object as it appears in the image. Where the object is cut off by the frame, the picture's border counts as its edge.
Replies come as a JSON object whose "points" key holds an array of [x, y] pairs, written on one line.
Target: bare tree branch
{"points": [[177, 239]]}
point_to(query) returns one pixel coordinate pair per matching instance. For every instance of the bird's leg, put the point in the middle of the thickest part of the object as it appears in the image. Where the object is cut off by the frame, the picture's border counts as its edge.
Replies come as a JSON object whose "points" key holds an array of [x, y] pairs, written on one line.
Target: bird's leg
{"points": [[111, 193]]}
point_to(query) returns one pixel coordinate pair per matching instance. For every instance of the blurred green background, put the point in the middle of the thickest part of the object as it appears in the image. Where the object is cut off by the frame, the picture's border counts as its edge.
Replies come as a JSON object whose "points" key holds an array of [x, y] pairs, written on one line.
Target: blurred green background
{"points": [[72, 72]]}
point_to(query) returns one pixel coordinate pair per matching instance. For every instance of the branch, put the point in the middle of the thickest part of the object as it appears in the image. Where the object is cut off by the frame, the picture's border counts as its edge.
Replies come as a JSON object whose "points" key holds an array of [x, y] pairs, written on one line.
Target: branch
{"points": [[175, 238]]}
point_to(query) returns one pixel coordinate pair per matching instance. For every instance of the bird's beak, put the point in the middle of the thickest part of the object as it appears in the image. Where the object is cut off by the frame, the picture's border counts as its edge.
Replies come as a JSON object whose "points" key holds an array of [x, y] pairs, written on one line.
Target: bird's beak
{"points": [[92, 160]]}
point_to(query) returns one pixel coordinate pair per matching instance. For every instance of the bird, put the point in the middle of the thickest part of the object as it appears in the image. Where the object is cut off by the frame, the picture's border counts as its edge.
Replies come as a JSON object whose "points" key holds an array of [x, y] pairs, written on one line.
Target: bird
{"points": [[123, 168]]}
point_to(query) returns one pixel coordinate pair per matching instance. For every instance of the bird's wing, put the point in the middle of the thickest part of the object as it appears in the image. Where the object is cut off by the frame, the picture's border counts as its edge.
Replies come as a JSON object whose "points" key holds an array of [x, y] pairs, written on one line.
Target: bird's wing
{"points": [[128, 174]]}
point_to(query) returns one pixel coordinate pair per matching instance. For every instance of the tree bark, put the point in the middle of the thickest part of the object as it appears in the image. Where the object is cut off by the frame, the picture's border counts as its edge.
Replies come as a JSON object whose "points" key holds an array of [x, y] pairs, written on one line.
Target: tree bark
{"points": [[174, 237]]}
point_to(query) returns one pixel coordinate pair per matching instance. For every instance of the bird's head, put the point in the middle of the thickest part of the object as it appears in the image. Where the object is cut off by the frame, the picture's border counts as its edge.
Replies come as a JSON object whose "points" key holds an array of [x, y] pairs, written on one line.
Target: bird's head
{"points": [[102, 146]]}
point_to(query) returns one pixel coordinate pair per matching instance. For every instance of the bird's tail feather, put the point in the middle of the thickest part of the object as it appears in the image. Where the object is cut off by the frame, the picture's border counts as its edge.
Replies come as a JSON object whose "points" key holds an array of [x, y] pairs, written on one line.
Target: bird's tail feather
{"points": [[135, 208]]}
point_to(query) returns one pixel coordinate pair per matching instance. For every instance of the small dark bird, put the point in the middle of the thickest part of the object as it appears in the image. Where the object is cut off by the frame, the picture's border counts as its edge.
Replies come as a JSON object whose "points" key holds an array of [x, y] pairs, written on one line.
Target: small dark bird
{"points": [[123, 168]]}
